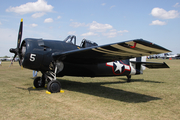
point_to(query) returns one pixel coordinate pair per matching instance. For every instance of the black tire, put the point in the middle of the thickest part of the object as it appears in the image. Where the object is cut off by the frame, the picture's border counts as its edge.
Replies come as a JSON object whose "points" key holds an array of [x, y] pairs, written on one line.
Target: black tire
{"points": [[54, 86], [39, 82]]}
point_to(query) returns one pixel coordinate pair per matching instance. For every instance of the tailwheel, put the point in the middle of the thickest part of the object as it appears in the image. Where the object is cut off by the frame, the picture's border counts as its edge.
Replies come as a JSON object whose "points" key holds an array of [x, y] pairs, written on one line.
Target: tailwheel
{"points": [[39, 82], [128, 78], [54, 86]]}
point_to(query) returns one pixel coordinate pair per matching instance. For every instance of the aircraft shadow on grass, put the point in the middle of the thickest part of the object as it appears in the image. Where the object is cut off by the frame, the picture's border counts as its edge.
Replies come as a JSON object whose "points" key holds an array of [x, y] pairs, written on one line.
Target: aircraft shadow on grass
{"points": [[140, 80], [97, 89], [31, 89]]}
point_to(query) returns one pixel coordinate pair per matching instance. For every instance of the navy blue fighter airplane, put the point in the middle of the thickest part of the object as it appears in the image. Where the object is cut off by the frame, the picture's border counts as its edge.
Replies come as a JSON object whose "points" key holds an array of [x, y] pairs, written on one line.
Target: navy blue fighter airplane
{"points": [[65, 58]]}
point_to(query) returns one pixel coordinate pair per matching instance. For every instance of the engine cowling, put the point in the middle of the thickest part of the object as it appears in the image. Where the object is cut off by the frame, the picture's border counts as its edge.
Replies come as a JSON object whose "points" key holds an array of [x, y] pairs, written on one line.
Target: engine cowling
{"points": [[32, 52]]}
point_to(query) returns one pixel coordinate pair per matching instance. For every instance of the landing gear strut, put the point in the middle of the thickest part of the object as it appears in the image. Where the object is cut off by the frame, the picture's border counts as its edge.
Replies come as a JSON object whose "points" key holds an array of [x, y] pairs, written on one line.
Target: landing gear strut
{"points": [[53, 85], [128, 78]]}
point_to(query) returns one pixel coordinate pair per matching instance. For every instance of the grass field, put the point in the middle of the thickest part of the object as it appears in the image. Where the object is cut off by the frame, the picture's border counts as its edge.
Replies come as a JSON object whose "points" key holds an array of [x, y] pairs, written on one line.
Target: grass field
{"points": [[155, 95]]}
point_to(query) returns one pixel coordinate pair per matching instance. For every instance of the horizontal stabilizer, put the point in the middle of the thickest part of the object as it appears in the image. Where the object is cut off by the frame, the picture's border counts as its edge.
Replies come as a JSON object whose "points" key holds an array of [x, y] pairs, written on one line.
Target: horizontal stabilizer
{"points": [[152, 64]]}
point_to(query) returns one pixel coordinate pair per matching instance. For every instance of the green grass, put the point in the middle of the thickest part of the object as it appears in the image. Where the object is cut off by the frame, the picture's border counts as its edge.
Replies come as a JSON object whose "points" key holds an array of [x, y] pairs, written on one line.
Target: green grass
{"points": [[155, 95]]}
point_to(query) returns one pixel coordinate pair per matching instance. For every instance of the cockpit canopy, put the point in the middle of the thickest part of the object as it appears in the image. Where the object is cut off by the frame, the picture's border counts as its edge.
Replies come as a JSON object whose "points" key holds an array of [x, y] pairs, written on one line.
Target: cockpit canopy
{"points": [[71, 39], [87, 43], [84, 44]]}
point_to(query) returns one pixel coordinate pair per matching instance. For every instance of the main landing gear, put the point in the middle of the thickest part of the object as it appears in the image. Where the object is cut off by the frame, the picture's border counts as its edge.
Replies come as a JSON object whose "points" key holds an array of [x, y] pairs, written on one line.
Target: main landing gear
{"points": [[53, 85]]}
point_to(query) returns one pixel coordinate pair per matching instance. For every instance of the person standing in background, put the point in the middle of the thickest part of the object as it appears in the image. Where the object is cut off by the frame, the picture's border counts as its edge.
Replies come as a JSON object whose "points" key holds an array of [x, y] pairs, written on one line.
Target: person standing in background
{"points": [[34, 73]]}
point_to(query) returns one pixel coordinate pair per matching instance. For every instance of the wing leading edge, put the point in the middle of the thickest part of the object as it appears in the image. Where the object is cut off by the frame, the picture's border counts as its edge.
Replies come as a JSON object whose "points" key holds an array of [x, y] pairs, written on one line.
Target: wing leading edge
{"points": [[110, 52]]}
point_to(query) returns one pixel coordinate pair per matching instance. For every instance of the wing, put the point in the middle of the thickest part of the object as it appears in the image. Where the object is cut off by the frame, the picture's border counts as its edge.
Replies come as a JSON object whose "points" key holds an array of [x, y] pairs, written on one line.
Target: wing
{"points": [[110, 52]]}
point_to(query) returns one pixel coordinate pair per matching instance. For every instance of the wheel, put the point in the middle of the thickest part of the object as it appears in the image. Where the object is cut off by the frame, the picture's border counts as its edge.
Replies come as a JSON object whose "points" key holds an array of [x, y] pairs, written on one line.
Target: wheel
{"points": [[54, 86], [128, 78], [39, 82]]}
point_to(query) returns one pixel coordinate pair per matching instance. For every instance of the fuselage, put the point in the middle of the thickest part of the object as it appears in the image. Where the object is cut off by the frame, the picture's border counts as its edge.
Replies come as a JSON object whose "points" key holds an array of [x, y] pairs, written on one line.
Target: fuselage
{"points": [[37, 55]]}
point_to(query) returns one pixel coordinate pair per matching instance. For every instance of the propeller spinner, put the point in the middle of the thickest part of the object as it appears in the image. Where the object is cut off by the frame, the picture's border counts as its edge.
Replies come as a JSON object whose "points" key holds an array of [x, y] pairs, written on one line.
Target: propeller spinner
{"points": [[16, 50]]}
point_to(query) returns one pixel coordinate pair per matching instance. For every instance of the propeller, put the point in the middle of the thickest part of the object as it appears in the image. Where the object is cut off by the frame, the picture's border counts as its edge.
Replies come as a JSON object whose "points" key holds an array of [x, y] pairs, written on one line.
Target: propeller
{"points": [[16, 50]]}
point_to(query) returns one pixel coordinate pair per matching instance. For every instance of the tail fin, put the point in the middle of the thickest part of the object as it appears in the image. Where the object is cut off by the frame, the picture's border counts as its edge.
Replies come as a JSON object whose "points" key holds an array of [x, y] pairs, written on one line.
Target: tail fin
{"points": [[137, 68], [139, 64]]}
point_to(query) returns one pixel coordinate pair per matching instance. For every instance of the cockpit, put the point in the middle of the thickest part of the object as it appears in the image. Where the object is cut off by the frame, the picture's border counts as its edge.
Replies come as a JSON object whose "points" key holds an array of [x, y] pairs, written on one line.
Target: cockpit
{"points": [[87, 43], [71, 39], [84, 43]]}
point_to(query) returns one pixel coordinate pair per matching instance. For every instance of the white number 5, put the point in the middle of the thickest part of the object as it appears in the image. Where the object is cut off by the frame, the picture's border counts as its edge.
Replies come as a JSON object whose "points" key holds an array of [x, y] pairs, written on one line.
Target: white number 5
{"points": [[32, 57]]}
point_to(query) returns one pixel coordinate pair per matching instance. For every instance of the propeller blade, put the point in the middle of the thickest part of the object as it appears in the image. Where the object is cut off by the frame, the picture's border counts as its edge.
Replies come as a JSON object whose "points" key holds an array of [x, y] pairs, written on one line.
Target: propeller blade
{"points": [[12, 50], [20, 62], [16, 51], [20, 33]]}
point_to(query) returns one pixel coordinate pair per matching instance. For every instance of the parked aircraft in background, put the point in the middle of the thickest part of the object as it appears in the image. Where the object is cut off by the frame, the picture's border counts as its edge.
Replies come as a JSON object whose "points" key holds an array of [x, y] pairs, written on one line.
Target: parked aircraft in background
{"points": [[174, 56], [6, 59]]}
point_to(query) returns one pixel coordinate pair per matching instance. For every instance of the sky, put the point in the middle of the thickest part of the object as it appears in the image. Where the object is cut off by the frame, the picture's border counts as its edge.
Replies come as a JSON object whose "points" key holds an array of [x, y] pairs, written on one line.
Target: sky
{"points": [[101, 21]]}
